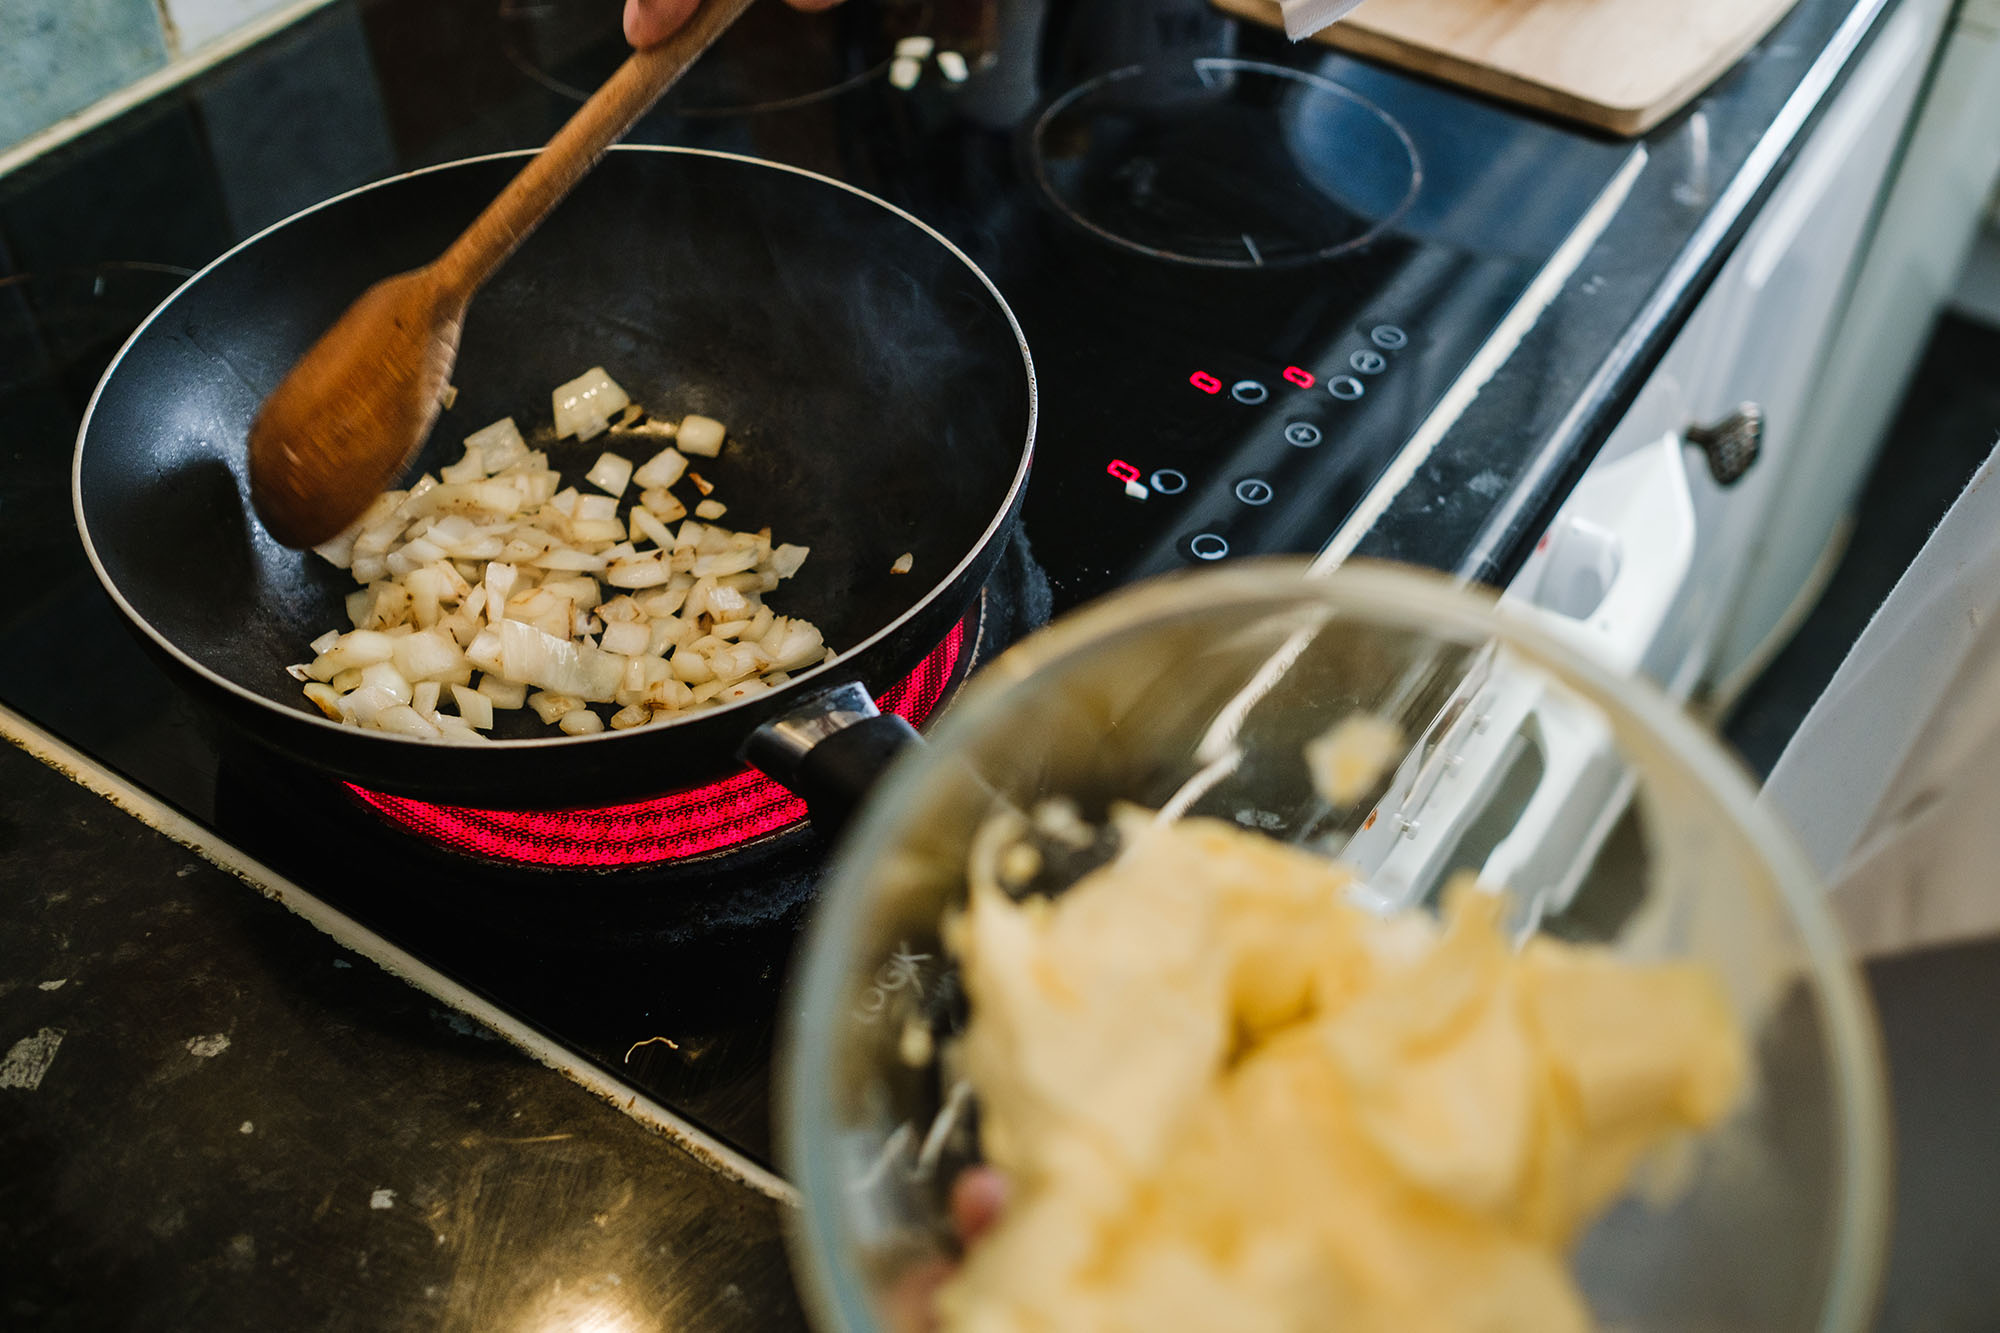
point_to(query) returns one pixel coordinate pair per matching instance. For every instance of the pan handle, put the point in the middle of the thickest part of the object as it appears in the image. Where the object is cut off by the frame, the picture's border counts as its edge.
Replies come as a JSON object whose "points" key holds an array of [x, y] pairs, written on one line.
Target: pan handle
{"points": [[830, 750]]}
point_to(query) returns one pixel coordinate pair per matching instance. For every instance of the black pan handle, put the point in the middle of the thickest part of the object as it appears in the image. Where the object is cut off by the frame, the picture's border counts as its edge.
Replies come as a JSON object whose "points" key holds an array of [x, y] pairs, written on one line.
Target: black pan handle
{"points": [[831, 749]]}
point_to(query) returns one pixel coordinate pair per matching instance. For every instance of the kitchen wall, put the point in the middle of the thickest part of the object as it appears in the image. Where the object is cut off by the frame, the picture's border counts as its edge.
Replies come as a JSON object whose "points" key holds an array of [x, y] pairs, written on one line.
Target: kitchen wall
{"points": [[63, 60]]}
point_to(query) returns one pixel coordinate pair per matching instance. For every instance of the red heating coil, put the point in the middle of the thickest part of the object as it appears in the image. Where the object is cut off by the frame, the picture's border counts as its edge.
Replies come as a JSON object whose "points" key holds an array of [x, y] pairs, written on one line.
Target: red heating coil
{"points": [[680, 824]]}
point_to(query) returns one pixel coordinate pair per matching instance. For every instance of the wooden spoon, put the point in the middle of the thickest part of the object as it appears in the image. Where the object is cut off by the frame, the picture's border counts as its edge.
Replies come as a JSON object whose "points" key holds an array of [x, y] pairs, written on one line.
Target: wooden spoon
{"points": [[356, 408]]}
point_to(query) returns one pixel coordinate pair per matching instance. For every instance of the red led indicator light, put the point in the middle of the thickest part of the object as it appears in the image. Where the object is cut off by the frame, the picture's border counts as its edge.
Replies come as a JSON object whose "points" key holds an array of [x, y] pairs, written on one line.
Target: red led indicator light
{"points": [[1303, 378], [1206, 382], [1123, 470]]}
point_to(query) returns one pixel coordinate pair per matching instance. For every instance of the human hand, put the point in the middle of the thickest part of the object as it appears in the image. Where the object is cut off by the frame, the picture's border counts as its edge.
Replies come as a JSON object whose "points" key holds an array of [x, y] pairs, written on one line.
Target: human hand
{"points": [[650, 22]]}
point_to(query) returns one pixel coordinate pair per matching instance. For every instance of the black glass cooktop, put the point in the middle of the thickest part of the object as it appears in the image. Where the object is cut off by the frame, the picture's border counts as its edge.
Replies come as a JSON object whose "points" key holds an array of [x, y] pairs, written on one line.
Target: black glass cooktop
{"points": [[1247, 272]]}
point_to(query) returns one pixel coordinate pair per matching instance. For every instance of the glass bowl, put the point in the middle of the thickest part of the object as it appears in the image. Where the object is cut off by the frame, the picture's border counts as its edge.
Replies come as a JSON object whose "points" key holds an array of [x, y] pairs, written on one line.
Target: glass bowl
{"points": [[1601, 811]]}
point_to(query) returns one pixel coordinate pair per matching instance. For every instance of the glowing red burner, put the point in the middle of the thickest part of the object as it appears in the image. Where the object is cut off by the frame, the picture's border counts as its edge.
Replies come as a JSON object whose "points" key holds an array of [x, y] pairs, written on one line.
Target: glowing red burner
{"points": [[680, 824]]}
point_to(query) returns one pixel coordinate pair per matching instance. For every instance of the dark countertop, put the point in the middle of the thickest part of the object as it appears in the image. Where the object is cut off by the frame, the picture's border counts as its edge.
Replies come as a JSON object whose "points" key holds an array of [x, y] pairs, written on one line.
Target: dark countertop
{"points": [[213, 1116], [231, 1093]]}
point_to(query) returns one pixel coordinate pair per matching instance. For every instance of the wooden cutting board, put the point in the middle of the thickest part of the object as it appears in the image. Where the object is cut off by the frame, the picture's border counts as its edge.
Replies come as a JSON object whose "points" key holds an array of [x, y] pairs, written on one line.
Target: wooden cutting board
{"points": [[1619, 65]]}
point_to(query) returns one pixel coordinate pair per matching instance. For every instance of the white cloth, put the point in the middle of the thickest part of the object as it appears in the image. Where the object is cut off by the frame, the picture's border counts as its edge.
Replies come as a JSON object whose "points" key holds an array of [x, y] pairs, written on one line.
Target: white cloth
{"points": [[1893, 780]]}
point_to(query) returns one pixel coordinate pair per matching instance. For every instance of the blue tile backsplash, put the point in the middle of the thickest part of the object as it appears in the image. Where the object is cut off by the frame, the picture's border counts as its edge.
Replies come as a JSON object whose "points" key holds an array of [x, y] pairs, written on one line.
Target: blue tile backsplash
{"points": [[59, 56]]}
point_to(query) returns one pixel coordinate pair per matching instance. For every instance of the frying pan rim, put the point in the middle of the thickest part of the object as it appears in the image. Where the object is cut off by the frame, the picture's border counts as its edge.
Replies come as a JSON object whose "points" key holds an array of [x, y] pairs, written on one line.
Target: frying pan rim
{"points": [[1001, 516]]}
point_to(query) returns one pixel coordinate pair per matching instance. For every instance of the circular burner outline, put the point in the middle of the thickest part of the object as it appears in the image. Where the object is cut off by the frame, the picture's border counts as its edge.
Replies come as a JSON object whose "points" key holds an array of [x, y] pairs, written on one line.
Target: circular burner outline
{"points": [[1201, 63], [513, 9]]}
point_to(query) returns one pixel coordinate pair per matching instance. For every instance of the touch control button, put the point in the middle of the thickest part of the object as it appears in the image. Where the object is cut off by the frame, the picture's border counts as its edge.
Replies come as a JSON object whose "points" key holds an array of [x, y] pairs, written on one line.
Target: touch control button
{"points": [[1254, 491], [1207, 546], [1389, 336], [1248, 391], [1369, 361], [1302, 433], [1346, 387], [1168, 481]]}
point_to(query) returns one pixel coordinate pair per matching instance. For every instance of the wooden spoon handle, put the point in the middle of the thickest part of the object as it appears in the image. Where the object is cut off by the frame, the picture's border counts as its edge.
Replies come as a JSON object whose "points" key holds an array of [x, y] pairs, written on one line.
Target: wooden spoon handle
{"points": [[553, 172]]}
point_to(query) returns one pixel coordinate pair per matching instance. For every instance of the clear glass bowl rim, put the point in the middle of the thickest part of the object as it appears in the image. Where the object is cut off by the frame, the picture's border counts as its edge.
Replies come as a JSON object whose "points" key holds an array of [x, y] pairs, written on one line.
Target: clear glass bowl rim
{"points": [[1398, 596]]}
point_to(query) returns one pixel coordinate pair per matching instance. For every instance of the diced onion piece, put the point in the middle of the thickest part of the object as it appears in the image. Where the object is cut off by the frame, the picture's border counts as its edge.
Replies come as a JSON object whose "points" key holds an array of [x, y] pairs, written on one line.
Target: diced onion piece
{"points": [[904, 563], [661, 470], [611, 473], [646, 526], [792, 644], [690, 666], [638, 572], [591, 530], [663, 504], [626, 636], [325, 698], [632, 715], [368, 702], [735, 662], [475, 707], [594, 507], [430, 654], [424, 697], [786, 559], [472, 467], [669, 599], [711, 509], [726, 602], [574, 562], [727, 562], [500, 445], [581, 592], [580, 722], [549, 706], [384, 676], [358, 648], [455, 731], [406, 721], [587, 403], [550, 663], [699, 435], [502, 693]]}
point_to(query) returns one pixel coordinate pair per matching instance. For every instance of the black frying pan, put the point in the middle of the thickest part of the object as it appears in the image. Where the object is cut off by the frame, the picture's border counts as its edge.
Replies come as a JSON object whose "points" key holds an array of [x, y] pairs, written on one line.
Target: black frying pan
{"points": [[879, 396]]}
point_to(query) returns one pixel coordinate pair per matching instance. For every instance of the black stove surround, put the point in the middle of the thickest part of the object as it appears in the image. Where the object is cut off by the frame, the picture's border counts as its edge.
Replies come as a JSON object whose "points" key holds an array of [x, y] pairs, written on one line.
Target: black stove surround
{"points": [[1249, 274]]}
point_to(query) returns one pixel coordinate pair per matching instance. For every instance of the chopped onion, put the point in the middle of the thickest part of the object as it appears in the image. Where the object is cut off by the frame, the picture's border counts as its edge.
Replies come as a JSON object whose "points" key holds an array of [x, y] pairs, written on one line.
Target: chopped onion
{"points": [[503, 693], [610, 473], [585, 405], [904, 563], [661, 470], [626, 636], [475, 707], [699, 435], [580, 722], [494, 566]]}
